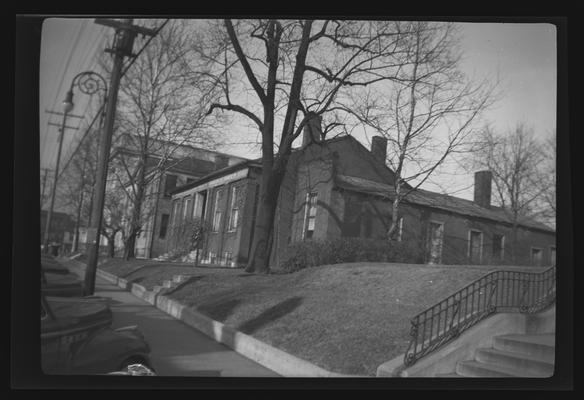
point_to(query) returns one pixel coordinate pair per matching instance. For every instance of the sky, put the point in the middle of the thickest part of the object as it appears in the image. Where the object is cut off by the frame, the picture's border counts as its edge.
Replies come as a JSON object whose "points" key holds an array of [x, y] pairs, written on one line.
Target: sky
{"points": [[523, 56]]}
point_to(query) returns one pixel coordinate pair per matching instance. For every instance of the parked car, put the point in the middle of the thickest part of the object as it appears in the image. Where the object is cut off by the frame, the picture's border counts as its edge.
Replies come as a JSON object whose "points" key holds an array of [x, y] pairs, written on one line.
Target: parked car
{"points": [[60, 285], [57, 280], [49, 264], [77, 338]]}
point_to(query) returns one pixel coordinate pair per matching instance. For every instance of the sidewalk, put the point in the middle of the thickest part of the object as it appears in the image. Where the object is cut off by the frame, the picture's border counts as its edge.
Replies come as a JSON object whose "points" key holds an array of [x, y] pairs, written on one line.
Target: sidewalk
{"points": [[176, 348]]}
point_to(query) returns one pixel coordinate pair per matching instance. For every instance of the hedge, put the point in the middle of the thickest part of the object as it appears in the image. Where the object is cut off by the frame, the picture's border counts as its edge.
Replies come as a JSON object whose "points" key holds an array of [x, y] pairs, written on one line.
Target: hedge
{"points": [[312, 253]]}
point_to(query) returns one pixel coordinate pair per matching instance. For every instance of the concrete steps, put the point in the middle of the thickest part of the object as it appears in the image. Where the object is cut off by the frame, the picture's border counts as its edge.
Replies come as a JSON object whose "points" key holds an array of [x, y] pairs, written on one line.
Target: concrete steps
{"points": [[170, 284], [512, 355], [541, 346]]}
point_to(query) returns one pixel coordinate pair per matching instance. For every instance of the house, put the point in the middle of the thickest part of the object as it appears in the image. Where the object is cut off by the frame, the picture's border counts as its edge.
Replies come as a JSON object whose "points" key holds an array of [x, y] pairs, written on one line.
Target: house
{"points": [[167, 166], [338, 188]]}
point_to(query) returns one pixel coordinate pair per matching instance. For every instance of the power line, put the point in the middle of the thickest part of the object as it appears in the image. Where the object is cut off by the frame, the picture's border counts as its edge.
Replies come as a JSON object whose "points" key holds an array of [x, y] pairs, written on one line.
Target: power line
{"points": [[64, 69], [88, 58], [101, 108], [82, 138]]}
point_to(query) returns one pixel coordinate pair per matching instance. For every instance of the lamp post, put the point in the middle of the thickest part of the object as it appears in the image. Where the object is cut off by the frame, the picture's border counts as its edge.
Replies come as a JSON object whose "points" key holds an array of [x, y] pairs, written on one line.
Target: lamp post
{"points": [[88, 82]]}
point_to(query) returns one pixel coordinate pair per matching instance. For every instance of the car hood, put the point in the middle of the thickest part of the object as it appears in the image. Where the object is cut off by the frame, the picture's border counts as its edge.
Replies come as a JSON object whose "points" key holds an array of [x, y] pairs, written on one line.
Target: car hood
{"points": [[61, 279], [76, 311], [54, 267], [61, 285]]}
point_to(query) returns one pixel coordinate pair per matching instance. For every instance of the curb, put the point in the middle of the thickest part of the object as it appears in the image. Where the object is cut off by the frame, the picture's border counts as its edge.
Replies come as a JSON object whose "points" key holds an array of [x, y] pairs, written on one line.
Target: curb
{"points": [[282, 363]]}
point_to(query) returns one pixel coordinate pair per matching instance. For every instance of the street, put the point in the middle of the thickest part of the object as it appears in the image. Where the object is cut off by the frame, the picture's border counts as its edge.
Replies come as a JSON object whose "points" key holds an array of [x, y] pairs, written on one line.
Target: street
{"points": [[177, 349]]}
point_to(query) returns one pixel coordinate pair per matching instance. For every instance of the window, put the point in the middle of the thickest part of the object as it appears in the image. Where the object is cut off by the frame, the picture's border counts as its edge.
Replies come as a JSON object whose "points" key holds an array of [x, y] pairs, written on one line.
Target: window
{"points": [[435, 236], [553, 255], [475, 246], [498, 246], [175, 212], [198, 205], [163, 226], [536, 256], [169, 184], [234, 209], [217, 215], [186, 209], [310, 215]]}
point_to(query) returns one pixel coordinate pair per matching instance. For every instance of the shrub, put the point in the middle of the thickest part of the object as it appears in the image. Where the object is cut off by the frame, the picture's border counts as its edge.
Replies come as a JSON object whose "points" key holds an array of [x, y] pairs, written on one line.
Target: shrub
{"points": [[187, 236], [313, 253]]}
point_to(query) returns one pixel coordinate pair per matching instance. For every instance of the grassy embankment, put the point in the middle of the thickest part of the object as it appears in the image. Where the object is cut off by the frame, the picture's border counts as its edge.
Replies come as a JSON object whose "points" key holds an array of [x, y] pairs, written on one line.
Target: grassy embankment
{"points": [[347, 318]]}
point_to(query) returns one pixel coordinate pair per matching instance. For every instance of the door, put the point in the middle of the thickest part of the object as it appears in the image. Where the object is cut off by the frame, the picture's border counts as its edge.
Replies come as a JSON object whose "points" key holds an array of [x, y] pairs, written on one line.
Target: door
{"points": [[475, 246], [436, 235]]}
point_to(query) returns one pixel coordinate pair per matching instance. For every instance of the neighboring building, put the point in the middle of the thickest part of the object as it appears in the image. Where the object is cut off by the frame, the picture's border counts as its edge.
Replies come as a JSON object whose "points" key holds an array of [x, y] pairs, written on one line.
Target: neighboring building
{"points": [[338, 188], [164, 173], [62, 228]]}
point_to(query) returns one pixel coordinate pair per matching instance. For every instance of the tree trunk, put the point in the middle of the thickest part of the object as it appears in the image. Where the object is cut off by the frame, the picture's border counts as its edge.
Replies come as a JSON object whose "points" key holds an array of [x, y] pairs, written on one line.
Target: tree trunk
{"points": [[129, 245], [135, 223], [111, 246], [392, 233], [259, 260]]}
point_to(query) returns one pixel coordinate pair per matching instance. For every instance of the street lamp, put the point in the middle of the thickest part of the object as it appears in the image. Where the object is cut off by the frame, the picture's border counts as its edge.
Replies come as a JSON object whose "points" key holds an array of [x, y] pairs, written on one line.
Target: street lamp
{"points": [[88, 82]]}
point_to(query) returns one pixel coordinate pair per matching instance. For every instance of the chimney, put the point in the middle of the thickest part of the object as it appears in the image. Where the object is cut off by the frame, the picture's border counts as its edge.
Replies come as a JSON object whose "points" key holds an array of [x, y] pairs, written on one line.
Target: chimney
{"points": [[482, 188], [379, 148], [312, 130], [221, 161]]}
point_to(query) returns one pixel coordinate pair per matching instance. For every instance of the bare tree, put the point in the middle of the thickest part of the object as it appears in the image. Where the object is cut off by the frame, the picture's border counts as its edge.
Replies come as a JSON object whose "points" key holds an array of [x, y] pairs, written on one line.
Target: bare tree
{"points": [[429, 114], [515, 160], [547, 181], [290, 68], [161, 108], [78, 178], [116, 213]]}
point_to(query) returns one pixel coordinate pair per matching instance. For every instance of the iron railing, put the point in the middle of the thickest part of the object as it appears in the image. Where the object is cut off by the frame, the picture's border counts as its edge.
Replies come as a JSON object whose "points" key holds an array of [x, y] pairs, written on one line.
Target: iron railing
{"points": [[498, 291]]}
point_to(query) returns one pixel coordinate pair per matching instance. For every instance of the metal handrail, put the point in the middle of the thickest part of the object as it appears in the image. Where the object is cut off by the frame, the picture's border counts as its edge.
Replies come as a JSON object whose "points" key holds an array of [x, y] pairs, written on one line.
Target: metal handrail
{"points": [[497, 291]]}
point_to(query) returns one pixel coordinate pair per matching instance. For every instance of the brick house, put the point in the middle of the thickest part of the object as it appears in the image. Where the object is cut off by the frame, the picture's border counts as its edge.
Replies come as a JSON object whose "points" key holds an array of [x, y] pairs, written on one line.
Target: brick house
{"points": [[338, 188], [186, 165]]}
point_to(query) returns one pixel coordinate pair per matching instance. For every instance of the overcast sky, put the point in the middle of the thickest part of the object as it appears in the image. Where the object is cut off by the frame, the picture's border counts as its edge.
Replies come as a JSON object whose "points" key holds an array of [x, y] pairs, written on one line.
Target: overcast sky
{"points": [[522, 55]]}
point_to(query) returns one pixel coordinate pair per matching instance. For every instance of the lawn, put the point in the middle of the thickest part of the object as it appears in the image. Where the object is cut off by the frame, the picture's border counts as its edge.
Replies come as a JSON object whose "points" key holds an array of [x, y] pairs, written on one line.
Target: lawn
{"points": [[346, 318]]}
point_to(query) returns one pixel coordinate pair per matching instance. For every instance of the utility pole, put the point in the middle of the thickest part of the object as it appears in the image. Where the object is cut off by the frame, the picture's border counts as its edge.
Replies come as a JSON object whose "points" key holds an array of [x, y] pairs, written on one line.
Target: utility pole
{"points": [[122, 47], [46, 171]]}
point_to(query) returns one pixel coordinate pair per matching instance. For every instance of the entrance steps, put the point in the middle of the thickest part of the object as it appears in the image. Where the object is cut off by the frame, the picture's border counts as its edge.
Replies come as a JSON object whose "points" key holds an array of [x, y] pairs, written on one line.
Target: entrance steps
{"points": [[512, 355]]}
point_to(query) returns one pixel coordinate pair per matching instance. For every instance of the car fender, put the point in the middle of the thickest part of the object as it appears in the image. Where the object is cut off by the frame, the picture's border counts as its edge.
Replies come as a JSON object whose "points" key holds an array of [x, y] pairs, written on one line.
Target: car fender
{"points": [[104, 351]]}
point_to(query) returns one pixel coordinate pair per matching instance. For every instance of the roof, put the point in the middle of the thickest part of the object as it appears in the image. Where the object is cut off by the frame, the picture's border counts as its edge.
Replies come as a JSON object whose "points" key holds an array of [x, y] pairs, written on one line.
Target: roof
{"points": [[216, 174], [188, 165], [436, 200], [247, 163]]}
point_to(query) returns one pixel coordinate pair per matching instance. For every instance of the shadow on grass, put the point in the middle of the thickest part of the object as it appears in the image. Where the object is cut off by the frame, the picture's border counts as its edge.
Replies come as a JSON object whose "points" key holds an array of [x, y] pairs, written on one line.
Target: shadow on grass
{"points": [[271, 314], [219, 310]]}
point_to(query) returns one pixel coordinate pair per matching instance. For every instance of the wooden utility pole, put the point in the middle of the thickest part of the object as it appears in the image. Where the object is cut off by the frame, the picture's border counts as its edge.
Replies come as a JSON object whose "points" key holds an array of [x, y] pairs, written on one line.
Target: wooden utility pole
{"points": [[46, 171], [122, 47]]}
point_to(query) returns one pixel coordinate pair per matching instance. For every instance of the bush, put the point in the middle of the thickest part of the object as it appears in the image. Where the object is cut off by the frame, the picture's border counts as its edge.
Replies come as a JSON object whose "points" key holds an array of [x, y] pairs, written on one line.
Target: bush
{"points": [[187, 236], [313, 253]]}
